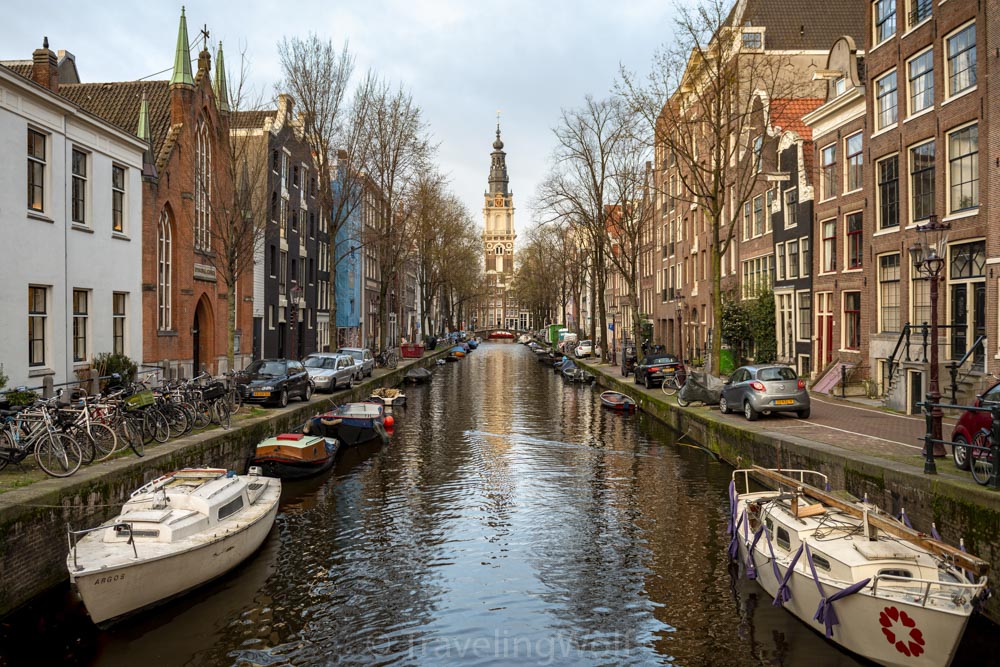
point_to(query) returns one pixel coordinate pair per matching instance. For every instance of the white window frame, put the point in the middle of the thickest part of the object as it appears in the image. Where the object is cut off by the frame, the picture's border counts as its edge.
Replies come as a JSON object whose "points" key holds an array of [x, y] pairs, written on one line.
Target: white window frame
{"points": [[824, 180], [164, 273], [44, 162], [910, 111], [909, 177], [119, 320], [779, 265], [949, 93], [790, 207], [84, 181], [799, 320], [80, 325], [875, 24], [949, 204], [123, 193], [878, 192], [847, 163], [43, 316], [878, 111], [805, 259], [880, 320], [910, 9]]}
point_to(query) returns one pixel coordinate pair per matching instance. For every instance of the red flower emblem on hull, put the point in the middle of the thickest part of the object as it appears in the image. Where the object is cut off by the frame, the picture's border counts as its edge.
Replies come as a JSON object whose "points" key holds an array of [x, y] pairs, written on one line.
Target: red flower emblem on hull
{"points": [[901, 631]]}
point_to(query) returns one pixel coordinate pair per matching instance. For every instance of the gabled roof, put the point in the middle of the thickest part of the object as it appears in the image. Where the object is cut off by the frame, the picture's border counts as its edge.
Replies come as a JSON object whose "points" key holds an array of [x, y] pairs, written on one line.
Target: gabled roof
{"points": [[796, 25], [245, 120], [787, 114], [119, 102], [19, 67]]}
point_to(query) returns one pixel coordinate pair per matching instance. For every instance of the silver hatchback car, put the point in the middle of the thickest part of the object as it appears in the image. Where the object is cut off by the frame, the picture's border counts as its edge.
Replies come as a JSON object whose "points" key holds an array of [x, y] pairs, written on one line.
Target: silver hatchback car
{"points": [[756, 390]]}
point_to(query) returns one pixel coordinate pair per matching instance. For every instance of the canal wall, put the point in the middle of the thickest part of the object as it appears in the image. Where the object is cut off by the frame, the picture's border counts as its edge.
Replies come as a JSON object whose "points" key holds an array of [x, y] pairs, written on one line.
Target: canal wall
{"points": [[959, 508], [34, 519]]}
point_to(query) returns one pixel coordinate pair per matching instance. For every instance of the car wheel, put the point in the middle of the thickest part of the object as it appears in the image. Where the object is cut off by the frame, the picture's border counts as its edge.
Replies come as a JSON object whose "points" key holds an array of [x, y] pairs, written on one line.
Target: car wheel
{"points": [[283, 398], [308, 393], [723, 405], [804, 414], [350, 382], [749, 412], [959, 453], [649, 383], [635, 378]]}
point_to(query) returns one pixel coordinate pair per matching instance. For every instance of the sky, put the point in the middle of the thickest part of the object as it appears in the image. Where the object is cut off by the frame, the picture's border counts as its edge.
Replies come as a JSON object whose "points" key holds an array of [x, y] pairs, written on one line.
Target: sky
{"points": [[462, 60]]}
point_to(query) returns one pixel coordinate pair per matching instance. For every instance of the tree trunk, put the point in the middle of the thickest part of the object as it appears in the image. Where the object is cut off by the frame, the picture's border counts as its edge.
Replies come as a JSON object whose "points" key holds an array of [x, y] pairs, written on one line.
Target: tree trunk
{"points": [[714, 354], [231, 329]]}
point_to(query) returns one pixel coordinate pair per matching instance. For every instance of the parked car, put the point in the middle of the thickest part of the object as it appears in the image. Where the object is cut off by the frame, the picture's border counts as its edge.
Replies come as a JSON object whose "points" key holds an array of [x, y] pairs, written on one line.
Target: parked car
{"points": [[275, 381], [330, 370], [584, 348], [362, 357], [655, 368], [757, 390], [970, 423]]}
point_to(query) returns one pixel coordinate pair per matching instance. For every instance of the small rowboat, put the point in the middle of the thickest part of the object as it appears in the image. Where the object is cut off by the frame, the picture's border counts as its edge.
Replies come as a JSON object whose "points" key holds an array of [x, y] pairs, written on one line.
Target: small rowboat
{"points": [[617, 401], [351, 423], [295, 455], [388, 396], [418, 375]]}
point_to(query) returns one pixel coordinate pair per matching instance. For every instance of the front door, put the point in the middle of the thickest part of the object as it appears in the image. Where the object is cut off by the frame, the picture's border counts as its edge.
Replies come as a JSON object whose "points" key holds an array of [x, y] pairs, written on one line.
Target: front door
{"points": [[824, 329], [916, 391]]}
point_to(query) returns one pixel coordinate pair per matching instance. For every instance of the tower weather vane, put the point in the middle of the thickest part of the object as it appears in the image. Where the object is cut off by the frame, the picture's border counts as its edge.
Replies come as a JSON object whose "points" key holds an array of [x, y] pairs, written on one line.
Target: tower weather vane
{"points": [[204, 35]]}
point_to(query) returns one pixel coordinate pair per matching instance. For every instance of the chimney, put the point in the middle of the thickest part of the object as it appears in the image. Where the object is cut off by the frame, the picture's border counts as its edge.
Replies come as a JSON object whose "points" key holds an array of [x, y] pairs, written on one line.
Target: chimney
{"points": [[284, 115], [45, 67]]}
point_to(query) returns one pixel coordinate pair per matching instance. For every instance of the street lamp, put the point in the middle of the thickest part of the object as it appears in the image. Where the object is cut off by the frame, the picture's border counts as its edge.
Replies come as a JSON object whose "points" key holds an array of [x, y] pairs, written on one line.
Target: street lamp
{"points": [[613, 311], [930, 263], [294, 294], [679, 312]]}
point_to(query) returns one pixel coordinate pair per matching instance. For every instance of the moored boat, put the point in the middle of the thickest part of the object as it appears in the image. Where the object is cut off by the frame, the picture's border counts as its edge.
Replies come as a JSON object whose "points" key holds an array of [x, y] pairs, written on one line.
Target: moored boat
{"points": [[418, 375], [173, 534], [388, 396], [295, 455], [351, 423], [864, 580], [457, 351], [617, 401]]}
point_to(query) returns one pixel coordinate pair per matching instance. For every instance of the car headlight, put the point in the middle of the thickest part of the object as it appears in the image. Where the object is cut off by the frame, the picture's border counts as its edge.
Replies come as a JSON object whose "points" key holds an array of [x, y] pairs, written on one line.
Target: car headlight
{"points": [[266, 387]]}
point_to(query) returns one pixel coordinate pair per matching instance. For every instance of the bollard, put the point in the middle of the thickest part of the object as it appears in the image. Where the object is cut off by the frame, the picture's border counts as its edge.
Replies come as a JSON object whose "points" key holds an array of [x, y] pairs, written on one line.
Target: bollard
{"points": [[843, 381], [48, 390], [930, 467], [994, 444], [953, 369], [93, 384]]}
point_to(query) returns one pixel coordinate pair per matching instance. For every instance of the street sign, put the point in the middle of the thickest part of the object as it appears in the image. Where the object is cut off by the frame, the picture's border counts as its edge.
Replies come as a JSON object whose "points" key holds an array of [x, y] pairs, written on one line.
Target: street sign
{"points": [[611, 326]]}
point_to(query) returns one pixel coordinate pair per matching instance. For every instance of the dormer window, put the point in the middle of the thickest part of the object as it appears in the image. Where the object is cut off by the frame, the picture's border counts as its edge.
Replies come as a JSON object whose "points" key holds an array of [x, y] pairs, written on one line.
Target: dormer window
{"points": [[840, 86], [753, 39]]}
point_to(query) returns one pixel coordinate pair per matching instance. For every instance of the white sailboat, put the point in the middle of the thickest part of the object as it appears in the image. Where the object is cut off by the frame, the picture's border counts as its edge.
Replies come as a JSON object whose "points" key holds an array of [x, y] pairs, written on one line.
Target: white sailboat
{"points": [[856, 575], [173, 534]]}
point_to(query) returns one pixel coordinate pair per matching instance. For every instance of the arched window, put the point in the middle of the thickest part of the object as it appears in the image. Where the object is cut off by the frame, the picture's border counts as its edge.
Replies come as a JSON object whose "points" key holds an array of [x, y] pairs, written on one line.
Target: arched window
{"points": [[163, 272], [498, 250], [202, 188]]}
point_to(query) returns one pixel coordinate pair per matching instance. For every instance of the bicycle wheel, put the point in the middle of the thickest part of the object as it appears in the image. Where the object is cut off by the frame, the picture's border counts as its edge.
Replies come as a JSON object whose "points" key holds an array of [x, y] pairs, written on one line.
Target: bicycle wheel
{"points": [[57, 454], [202, 414], [161, 426], [981, 462], [87, 447], [220, 413], [7, 445], [235, 398], [669, 386], [177, 420], [104, 440], [133, 436], [682, 403]]}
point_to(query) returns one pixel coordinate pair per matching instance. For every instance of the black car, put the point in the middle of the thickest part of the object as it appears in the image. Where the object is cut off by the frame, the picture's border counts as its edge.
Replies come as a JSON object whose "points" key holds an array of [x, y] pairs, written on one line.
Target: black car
{"points": [[655, 367], [275, 381]]}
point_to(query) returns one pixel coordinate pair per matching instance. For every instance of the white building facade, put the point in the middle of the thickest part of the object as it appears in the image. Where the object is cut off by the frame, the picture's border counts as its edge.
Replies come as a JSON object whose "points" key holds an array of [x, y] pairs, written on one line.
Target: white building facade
{"points": [[70, 234]]}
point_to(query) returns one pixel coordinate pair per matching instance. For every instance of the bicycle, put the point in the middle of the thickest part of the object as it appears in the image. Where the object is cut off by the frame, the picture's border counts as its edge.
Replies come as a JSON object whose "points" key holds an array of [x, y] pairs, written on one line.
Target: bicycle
{"points": [[386, 359], [32, 431], [671, 384], [981, 463]]}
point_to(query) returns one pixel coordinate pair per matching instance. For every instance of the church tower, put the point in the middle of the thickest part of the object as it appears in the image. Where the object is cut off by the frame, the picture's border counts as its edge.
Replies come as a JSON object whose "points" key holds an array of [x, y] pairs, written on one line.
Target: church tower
{"points": [[499, 309]]}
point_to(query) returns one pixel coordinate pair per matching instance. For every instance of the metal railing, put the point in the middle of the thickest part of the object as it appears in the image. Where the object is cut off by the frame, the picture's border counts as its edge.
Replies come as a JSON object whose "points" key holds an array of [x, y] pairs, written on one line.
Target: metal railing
{"points": [[977, 360], [971, 447]]}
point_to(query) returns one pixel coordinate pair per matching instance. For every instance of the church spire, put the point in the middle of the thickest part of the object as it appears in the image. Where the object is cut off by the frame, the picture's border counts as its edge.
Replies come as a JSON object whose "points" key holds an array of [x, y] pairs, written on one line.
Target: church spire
{"points": [[221, 86], [499, 181], [182, 57], [145, 133]]}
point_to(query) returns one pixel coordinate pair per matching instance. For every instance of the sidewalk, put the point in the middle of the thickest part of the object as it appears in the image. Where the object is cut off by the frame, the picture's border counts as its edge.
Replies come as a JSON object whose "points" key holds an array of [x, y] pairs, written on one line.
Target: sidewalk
{"points": [[857, 426]]}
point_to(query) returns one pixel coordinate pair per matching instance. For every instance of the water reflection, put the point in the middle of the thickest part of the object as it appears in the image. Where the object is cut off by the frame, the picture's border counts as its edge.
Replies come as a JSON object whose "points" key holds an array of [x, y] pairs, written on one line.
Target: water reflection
{"points": [[511, 521]]}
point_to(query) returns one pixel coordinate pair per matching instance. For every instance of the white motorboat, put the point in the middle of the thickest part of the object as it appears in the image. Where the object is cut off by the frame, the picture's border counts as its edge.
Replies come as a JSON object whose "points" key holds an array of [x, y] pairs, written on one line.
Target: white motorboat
{"points": [[173, 534], [858, 576]]}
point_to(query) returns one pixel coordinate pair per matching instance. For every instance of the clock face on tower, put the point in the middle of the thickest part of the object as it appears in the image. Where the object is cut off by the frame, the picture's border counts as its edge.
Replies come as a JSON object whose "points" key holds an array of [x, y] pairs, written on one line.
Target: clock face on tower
{"points": [[498, 201]]}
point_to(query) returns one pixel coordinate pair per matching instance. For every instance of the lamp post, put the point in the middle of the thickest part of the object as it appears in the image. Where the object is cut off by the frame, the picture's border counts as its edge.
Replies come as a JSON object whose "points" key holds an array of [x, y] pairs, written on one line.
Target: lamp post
{"points": [[613, 311], [679, 311], [930, 263], [294, 294]]}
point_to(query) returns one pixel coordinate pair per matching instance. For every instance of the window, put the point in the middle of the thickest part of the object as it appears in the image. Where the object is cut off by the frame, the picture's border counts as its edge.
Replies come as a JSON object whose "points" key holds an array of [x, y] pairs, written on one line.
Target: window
{"points": [[80, 315], [922, 181], [164, 277], [820, 562], [920, 73], [230, 508], [282, 272], [852, 320], [919, 10], [274, 207], [805, 315], [963, 169], [203, 188], [783, 539], [272, 265], [791, 208], [79, 193], [753, 41], [829, 246], [36, 171], [885, 19], [887, 170], [806, 257], [118, 199], [295, 176], [779, 251], [961, 59], [840, 86], [758, 215], [793, 259], [828, 174], [37, 316], [118, 303], [758, 150], [769, 206], [854, 242], [853, 158], [747, 218], [275, 161], [885, 101], [920, 299], [888, 291]]}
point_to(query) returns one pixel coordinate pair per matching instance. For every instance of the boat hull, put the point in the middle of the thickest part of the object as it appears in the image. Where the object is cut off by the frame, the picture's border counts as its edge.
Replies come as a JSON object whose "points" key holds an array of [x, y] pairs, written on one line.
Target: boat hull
{"points": [[114, 592], [290, 468], [920, 636]]}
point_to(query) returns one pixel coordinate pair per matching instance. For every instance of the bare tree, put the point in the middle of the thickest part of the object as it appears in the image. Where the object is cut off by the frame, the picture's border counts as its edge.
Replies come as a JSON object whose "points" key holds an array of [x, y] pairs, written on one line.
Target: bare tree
{"points": [[398, 152], [233, 196], [317, 76], [702, 105], [576, 191]]}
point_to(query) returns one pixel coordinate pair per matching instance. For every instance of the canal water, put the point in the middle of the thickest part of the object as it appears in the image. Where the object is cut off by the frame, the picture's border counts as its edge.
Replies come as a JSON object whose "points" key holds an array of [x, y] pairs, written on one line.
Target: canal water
{"points": [[510, 521]]}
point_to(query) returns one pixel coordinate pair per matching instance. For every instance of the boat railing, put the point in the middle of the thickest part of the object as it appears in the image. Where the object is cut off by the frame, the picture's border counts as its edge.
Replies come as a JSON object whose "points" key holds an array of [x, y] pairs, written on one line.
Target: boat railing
{"points": [[72, 537], [923, 591], [799, 474]]}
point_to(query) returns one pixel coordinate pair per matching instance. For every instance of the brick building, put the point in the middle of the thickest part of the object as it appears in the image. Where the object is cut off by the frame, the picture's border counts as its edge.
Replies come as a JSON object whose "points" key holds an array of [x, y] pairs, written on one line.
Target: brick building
{"points": [[187, 124]]}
